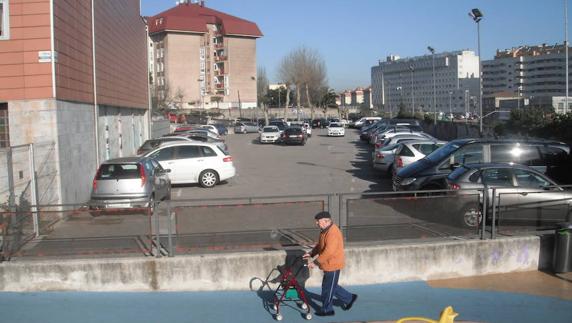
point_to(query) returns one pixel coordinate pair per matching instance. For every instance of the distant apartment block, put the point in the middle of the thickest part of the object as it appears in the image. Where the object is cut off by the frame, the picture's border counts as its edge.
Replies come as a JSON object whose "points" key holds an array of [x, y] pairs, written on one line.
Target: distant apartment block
{"points": [[357, 97], [73, 78], [203, 58], [409, 82], [527, 71]]}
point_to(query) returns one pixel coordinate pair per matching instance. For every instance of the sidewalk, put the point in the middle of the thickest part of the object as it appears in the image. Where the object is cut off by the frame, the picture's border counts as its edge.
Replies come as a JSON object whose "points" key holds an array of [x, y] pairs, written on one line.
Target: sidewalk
{"points": [[518, 297]]}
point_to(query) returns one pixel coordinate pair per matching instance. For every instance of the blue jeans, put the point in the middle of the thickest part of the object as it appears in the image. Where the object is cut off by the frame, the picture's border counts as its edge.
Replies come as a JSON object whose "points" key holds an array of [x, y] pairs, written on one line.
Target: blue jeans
{"points": [[330, 288]]}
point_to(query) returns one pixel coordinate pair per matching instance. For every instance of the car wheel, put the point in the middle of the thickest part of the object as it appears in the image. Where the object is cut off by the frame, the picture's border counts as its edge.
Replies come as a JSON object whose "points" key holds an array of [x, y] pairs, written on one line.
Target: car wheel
{"points": [[244, 131], [471, 216], [208, 178]]}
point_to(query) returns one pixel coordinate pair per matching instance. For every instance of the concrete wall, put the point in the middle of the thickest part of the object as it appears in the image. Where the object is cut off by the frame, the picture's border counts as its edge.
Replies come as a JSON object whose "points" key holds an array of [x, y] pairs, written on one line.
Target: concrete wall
{"points": [[236, 271], [76, 147]]}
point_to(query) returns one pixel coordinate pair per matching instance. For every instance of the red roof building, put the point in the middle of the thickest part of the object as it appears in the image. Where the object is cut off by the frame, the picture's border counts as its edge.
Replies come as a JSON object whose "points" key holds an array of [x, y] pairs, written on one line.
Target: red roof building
{"points": [[203, 57]]}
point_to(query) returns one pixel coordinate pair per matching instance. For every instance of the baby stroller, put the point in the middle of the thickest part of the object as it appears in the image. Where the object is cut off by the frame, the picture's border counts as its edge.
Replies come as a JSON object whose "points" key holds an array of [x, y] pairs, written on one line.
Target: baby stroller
{"points": [[289, 290]]}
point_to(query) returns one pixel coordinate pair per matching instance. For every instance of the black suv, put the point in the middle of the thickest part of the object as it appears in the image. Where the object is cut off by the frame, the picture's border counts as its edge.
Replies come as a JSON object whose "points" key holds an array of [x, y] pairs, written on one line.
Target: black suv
{"points": [[548, 157]]}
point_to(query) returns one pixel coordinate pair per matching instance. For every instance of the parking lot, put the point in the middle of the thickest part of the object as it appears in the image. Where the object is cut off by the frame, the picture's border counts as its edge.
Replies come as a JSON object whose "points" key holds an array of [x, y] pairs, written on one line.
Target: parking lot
{"points": [[324, 165]]}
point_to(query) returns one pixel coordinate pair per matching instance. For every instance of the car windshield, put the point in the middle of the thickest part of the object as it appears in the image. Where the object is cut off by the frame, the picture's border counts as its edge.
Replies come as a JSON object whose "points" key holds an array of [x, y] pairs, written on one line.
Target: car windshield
{"points": [[270, 129], [443, 152], [335, 125]]}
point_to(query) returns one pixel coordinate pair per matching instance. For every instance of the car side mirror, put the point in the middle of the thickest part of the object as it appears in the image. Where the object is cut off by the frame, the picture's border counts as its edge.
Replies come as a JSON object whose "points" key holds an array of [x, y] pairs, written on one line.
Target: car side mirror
{"points": [[454, 166]]}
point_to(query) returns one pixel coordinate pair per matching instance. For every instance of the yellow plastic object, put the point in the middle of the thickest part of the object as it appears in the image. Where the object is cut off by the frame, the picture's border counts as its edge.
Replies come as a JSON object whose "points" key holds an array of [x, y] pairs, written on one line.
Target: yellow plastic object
{"points": [[447, 316]]}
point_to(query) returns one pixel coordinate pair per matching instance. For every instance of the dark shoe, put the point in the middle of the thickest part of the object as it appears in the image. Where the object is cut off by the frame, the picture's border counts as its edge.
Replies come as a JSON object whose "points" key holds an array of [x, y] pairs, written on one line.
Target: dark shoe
{"points": [[320, 313], [350, 304]]}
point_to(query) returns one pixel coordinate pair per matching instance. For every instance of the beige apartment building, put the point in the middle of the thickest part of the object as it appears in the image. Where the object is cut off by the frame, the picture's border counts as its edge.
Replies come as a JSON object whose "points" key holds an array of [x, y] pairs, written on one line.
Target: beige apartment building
{"points": [[73, 82], [203, 59]]}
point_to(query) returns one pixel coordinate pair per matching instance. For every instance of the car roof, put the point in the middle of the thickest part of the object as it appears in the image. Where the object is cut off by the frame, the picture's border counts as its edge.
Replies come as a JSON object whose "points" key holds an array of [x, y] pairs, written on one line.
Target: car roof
{"points": [[498, 165], [521, 141], [185, 143], [125, 160]]}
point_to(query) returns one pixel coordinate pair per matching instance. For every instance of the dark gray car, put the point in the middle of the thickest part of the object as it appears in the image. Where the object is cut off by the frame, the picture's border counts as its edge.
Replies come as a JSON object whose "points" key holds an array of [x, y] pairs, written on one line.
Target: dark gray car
{"points": [[131, 182], [522, 194]]}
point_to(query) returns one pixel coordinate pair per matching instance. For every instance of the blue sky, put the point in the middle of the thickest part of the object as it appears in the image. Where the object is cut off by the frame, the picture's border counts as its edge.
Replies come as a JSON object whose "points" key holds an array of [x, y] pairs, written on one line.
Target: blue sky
{"points": [[352, 35]]}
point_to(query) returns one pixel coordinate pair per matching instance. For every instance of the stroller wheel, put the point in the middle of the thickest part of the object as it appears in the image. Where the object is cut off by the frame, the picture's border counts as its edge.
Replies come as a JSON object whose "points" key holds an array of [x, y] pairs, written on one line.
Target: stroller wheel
{"points": [[304, 306], [279, 317], [308, 316]]}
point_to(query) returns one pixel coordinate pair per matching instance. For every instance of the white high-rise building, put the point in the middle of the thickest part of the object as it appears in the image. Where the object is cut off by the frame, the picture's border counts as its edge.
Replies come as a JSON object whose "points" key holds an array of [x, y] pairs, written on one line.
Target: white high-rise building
{"points": [[409, 82]]}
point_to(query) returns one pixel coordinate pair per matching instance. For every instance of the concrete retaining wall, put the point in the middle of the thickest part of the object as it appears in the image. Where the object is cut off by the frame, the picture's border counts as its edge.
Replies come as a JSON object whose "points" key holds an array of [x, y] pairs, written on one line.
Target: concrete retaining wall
{"points": [[237, 271]]}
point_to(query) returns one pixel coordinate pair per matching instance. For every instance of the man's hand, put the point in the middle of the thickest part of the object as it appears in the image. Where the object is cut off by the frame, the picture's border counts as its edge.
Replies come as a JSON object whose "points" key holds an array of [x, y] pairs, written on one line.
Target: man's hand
{"points": [[306, 256], [311, 265]]}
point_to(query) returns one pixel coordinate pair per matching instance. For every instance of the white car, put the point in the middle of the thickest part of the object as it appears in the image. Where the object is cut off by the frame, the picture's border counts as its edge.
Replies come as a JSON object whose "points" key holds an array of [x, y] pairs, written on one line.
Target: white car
{"points": [[411, 151], [336, 129], [383, 159], [211, 128], [190, 162], [269, 134]]}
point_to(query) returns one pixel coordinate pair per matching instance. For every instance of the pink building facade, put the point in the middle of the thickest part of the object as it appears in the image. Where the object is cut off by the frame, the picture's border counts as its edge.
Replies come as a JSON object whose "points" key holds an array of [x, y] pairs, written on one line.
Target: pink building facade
{"points": [[84, 99]]}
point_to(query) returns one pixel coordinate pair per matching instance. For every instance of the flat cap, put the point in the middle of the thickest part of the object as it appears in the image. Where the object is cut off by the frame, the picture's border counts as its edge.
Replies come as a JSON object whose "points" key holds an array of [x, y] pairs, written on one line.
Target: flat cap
{"points": [[323, 215]]}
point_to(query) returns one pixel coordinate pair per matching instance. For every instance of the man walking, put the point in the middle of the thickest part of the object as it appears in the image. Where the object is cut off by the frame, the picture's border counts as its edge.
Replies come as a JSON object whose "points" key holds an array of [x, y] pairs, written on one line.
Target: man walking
{"points": [[330, 252]]}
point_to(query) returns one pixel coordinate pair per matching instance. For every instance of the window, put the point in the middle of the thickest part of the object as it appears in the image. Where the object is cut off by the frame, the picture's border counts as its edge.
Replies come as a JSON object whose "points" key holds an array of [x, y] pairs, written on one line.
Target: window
{"points": [[497, 177], [185, 152], [207, 152], [4, 128], [4, 20], [529, 180], [469, 154], [164, 154]]}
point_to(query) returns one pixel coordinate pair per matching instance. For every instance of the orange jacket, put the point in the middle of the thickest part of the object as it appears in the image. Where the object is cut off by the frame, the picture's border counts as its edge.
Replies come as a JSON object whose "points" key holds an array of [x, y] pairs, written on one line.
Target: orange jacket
{"points": [[330, 249]]}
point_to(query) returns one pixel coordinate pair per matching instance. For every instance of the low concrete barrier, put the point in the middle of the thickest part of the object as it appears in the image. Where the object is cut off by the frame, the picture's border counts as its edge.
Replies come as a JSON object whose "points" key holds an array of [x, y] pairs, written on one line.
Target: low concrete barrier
{"points": [[240, 271]]}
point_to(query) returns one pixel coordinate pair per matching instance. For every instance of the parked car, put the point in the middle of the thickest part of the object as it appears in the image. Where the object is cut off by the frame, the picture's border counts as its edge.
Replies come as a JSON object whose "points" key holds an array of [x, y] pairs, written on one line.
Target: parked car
{"points": [[365, 121], [191, 162], [281, 124], [200, 136], [388, 131], [210, 127], [130, 182], [398, 137], [269, 134], [383, 159], [523, 195], [151, 144], [222, 130], [245, 127], [409, 152], [336, 129], [548, 157], [294, 135], [320, 123]]}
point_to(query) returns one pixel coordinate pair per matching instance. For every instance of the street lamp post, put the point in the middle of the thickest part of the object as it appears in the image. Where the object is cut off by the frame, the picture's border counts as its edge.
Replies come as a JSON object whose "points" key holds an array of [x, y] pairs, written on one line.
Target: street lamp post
{"points": [[477, 15], [432, 50], [412, 93], [451, 105]]}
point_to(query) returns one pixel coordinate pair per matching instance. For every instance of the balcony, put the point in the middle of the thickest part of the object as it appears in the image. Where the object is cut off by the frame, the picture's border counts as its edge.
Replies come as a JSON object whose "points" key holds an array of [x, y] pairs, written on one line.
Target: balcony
{"points": [[220, 58], [219, 72], [219, 45], [219, 86]]}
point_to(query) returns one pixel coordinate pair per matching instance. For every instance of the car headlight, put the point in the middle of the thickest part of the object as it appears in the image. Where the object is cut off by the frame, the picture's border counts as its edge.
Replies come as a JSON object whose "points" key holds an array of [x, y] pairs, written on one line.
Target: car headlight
{"points": [[407, 181]]}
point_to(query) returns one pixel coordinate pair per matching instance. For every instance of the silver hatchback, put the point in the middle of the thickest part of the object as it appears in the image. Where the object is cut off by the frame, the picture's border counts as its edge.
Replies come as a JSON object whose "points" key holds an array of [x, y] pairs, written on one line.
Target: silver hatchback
{"points": [[131, 182]]}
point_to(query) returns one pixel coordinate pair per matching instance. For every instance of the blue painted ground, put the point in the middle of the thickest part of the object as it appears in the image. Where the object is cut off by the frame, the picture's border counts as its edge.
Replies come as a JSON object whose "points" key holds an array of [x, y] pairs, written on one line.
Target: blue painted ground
{"points": [[376, 302]]}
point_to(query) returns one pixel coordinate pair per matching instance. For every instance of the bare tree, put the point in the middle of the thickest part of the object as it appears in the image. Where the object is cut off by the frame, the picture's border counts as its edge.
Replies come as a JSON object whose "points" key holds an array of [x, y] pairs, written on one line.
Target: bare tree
{"points": [[287, 74], [305, 68], [262, 91]]}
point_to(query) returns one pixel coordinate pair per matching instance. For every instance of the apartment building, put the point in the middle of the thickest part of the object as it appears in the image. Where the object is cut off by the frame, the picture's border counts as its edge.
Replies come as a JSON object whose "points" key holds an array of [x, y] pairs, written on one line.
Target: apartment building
{"points": [[73, 80], [357, 97], [203, 58], [527, 71], [408, 82]]}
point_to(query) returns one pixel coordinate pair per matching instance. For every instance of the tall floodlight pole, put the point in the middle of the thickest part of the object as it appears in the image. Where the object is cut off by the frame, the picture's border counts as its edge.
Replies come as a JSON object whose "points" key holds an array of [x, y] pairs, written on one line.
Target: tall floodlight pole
{"points": [[432, 50], [477, 15], [566, 51], [412, 93]]}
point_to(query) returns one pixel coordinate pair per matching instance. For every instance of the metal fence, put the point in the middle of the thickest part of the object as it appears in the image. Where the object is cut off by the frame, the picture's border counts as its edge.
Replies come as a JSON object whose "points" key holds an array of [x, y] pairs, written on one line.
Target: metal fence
{"points": [[276, 222]]}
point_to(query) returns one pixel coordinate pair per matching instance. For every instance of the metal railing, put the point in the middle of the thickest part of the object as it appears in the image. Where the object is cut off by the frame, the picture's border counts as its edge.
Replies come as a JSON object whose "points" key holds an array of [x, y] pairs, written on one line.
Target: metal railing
{"points": [[193, 226]]}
